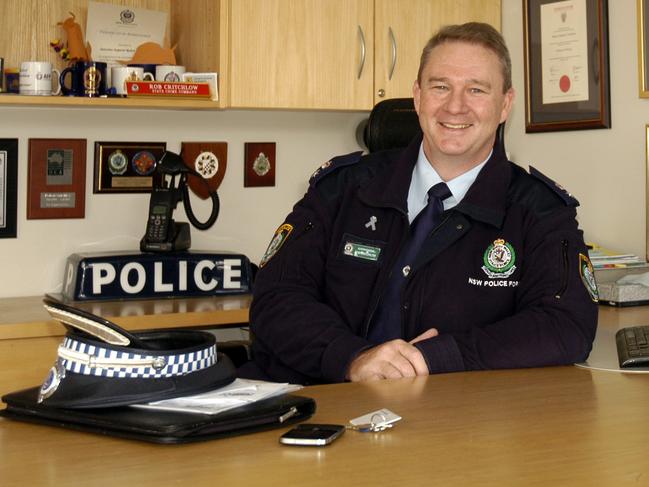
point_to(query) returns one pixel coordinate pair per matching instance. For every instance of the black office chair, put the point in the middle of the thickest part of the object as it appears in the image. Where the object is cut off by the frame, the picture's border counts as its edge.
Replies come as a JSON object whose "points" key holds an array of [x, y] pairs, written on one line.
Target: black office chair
{"points": [[393, 124]]}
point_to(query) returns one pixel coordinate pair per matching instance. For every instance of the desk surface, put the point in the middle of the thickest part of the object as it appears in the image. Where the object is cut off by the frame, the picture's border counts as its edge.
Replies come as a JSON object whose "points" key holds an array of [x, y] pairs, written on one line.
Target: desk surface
{"points": [[546, 426]]}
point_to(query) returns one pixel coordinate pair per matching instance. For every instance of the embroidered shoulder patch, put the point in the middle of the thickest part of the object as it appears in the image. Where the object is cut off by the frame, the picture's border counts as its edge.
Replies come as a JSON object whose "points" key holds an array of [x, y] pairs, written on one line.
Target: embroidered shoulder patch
{"points": [[281, 234], [568, 199], [333, 164], [588, 277]]}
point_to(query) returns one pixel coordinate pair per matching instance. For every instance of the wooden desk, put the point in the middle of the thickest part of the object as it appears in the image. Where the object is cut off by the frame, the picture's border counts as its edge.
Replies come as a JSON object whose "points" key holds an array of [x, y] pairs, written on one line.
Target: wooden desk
{"points": [[546, 426]]}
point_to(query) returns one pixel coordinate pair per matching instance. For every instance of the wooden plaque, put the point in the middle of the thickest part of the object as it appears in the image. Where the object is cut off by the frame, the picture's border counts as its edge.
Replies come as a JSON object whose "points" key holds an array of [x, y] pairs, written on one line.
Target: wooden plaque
{"points": [[210, 160], [259, 164], [56, 186]]}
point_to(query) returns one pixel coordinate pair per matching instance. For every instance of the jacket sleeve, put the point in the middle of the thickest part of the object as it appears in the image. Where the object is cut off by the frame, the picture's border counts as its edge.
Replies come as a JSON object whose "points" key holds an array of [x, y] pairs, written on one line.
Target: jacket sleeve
{"points": [[297, 337], [555, 316]]}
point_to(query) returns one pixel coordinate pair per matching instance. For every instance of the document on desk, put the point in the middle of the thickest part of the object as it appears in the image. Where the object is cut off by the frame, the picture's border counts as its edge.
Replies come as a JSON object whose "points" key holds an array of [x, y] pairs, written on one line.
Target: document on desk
{"points": [[239, 393]]}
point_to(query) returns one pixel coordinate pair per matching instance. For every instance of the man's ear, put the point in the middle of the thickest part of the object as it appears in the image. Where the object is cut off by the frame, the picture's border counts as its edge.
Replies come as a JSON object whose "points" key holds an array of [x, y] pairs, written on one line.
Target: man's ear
{"points": [[416, 93], [508, 103]]}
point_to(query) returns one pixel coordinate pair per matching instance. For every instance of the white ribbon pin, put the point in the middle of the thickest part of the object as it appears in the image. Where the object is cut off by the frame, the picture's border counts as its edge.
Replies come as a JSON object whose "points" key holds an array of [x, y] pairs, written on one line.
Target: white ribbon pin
{"points": [[371, 223]]}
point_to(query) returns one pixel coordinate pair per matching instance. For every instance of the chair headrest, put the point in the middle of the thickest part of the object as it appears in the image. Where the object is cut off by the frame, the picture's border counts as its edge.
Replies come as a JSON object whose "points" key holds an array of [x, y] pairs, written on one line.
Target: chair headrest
{"points": [[394, 123]]}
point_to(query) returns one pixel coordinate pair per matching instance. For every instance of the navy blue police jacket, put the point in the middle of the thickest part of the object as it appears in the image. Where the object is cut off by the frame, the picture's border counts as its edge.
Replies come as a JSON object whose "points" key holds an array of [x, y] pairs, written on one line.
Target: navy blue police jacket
{"points": [[504, 277]]}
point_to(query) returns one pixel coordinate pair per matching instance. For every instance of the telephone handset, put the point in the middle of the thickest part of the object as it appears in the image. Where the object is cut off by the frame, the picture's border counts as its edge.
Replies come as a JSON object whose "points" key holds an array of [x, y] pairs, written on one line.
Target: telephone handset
{"points": [[163, 234]]}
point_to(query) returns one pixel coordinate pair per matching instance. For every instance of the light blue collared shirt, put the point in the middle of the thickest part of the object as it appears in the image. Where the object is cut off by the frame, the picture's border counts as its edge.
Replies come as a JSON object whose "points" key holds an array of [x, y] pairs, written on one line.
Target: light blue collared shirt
{"points": [[425, 177]]}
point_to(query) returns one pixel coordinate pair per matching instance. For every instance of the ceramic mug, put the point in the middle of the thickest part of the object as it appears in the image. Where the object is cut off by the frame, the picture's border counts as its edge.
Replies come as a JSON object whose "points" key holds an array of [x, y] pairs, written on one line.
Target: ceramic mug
{"points": [[121, 74], [87, 78], [169, 73], [36, 78]]}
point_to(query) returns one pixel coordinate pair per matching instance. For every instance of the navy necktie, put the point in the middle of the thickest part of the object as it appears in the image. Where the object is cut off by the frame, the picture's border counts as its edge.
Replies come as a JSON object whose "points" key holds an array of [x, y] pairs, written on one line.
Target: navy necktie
{"points": [[386, 324]]}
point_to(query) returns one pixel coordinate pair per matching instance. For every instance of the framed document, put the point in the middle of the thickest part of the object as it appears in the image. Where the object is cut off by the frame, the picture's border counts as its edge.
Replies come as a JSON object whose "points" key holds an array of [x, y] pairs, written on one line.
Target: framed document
{"points": [[643, 47], [126, 167], [566, 65], [56, 179], [8, 189]]}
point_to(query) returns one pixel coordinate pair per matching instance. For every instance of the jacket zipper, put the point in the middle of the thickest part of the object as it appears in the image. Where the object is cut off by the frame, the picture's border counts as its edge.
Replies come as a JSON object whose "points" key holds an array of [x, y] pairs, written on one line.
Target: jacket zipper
{"points": [[375, 304], [564, 280], [410, 277]]}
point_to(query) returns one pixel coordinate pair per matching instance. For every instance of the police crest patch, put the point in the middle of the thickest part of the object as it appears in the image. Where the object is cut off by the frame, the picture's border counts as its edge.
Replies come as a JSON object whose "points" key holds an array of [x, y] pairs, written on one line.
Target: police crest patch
{"points": [[499, 259], [281, 234], [588, 277]]}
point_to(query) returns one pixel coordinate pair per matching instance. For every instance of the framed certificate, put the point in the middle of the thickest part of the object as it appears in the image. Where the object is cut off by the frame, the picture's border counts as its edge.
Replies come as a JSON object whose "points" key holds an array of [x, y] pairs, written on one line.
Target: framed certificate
{"points": [[8, 189], [56, 179], [566, 65]]}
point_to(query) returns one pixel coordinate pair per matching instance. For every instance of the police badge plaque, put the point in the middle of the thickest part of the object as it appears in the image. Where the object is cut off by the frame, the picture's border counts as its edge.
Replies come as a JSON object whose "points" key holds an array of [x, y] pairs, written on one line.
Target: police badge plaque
{"points": [[56, 177], [126, 167], [209, 159], [259, 164]]}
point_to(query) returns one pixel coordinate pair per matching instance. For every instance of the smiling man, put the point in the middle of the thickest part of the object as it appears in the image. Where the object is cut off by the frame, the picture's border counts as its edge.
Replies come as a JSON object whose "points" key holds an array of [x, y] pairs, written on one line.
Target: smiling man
{"points": [[441, 257]]}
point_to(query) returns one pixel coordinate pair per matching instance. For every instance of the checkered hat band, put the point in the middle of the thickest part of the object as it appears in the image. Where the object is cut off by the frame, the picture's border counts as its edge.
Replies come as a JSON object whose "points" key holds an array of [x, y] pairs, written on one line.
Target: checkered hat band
{"points": [[85, 359]]}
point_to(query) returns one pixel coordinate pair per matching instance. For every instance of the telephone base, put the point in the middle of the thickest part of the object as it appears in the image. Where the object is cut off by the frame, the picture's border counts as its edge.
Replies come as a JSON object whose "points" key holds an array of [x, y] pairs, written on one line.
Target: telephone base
{"points": [[181, 240]]}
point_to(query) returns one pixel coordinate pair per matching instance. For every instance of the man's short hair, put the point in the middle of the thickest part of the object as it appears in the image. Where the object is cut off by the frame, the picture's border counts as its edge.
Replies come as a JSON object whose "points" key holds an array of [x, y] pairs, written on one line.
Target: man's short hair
{"points": [[473, 33]]}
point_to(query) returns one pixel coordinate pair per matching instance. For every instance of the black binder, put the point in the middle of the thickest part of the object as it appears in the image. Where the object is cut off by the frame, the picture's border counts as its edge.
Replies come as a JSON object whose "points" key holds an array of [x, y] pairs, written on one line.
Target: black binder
{"points": [[167, 427]]}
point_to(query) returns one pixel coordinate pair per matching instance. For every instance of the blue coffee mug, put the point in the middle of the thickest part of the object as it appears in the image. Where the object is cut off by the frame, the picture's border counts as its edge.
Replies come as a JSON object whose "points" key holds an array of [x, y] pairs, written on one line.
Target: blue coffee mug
{"points": [[87, 78]]}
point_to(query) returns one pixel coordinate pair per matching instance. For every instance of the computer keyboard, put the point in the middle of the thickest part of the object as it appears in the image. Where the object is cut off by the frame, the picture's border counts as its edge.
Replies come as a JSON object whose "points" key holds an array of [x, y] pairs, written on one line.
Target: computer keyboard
{"points": [[633, 346]]}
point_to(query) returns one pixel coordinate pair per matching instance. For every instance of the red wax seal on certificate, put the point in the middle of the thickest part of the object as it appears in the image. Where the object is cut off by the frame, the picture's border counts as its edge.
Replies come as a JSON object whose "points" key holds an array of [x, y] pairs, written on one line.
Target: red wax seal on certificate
{"points": [[564, 83]]}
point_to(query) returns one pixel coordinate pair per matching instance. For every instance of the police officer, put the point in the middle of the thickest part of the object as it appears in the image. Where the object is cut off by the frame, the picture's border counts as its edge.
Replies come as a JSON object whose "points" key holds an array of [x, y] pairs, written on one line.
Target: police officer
{"points": [[493, 273]]}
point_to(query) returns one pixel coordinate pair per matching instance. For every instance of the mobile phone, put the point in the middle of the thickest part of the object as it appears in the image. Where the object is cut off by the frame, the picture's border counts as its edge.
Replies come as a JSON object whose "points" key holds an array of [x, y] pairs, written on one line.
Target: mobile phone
{"points": [[312, 434]]}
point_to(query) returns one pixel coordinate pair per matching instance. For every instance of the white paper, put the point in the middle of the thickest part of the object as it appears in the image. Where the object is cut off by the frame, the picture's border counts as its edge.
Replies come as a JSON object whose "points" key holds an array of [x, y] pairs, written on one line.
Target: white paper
{"points": [[238, 393], [564, 51], [115, 31]]}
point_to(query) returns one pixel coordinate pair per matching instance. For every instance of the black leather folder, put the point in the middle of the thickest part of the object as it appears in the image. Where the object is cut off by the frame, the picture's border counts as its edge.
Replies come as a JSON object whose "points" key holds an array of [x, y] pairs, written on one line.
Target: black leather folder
{"points": [[159, 426]]}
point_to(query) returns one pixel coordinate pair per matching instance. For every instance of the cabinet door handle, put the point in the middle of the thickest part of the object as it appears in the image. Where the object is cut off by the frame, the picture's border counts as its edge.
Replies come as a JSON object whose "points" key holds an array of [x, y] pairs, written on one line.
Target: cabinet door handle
{"points": [[393, 41], [362, 41]]}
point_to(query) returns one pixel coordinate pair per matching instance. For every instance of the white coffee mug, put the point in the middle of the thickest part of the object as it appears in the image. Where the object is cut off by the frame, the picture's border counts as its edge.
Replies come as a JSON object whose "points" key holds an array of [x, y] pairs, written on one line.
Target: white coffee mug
{"points": [[121, 74], [169, 73], [36, 78]]}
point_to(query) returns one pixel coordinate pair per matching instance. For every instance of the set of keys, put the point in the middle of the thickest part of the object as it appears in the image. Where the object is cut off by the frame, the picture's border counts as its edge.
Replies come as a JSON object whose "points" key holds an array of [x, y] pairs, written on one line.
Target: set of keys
{"points": [[374, 422]]}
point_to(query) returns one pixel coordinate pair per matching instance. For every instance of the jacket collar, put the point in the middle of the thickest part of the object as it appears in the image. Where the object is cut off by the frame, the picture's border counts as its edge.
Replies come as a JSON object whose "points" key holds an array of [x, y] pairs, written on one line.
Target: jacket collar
{"points": [[485, 201]]}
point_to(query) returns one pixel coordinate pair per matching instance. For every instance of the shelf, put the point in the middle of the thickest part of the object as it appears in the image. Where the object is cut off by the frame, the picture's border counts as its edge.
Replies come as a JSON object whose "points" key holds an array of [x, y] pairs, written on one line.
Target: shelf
{"points": [[11, 100]]}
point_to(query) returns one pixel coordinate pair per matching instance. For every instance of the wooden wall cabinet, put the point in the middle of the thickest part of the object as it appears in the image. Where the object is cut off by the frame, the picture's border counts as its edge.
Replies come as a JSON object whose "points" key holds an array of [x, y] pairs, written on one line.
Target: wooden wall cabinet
{"points": [[289, 54], [334, 54]]}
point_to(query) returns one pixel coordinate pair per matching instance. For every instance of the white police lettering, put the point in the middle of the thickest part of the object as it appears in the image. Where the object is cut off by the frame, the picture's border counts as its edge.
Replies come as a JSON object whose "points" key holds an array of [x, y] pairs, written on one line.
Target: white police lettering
{"points": [[124, 278], [102, 273], [182, 275], [133, 276], [229, 272], [158, 285], [491, 283], [198, 276]]}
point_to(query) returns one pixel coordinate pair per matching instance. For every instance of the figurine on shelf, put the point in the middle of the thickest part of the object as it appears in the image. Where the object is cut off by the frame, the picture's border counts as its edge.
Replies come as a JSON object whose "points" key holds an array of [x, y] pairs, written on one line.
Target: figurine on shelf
{"points": [[152, 53], [77, 49], [60, 49]]}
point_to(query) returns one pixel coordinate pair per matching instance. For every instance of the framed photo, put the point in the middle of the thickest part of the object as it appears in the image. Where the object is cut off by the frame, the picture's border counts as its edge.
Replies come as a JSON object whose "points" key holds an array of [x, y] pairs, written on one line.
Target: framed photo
{"points": [[126, 167], [566, 65], [8, 187], [643, 47], [56, 179], [259, 164]]}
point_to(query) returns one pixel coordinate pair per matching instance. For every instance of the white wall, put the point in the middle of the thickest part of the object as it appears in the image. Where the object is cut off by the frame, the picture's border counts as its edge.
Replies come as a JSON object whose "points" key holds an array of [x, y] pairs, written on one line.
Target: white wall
{"points": [[33, 263], [604, 169]]}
